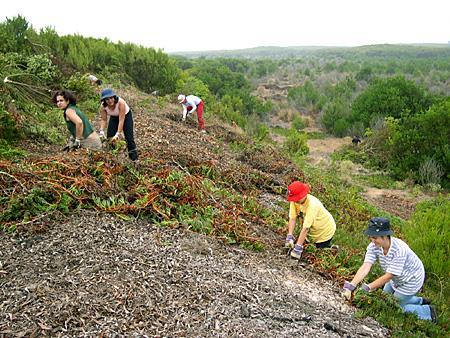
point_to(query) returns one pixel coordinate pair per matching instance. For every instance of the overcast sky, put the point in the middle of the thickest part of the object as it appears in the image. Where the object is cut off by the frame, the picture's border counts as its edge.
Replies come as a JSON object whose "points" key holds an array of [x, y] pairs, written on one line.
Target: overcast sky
{"points": [[194, 25]]}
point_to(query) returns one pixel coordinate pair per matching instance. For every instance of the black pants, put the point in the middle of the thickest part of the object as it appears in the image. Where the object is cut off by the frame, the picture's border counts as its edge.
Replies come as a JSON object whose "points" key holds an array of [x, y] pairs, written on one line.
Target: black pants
{"points": [[127, 131], [322, 245]]}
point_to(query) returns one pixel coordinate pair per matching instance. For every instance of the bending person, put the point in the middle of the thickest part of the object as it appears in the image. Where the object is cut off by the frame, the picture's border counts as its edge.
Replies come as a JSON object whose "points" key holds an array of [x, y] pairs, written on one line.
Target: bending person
{"points": [[120, 123], [81, 131], [192, 103], [318, 224]]}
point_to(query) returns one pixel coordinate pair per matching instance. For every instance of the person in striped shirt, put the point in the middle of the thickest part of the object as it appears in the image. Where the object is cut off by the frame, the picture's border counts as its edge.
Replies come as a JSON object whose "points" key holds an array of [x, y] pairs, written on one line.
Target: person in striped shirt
{"points": [[404, 271]]}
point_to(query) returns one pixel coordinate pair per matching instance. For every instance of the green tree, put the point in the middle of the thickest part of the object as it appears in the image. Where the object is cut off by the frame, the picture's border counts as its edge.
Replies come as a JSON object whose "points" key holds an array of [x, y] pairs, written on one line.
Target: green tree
{"points": [[394, 97], [416, 138], [14, 36]]}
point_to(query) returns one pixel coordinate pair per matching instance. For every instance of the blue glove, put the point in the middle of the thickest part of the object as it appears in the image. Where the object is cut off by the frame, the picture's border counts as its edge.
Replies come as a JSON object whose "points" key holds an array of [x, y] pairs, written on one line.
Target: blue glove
{"points": [[349, 286], [297, 251], [365, 287]]}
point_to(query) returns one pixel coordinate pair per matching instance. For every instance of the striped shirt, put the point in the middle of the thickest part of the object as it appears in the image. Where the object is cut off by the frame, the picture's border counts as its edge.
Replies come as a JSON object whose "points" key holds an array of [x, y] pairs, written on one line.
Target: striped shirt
{"points": [[406, 268]]}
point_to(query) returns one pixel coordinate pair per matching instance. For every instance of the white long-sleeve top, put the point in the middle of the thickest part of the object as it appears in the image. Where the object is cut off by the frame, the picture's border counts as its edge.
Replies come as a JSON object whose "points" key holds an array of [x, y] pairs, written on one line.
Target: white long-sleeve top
{"points": [[191, 101]]}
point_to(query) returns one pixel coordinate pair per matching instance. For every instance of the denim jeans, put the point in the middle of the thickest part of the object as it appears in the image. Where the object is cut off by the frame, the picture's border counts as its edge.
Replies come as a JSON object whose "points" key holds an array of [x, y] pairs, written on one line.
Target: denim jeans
{"points": [[113, 124], [410, 303]]}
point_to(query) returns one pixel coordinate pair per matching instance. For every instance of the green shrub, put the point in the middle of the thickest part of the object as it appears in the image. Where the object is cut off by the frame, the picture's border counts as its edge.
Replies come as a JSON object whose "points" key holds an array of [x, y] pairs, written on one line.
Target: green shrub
{"points": [[428, 235], [390, 97], [298, 123], [296, 143]]}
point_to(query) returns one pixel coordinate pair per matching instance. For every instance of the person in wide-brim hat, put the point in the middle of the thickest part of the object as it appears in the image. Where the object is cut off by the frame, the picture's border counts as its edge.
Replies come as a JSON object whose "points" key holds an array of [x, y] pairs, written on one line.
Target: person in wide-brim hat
{"points": [[120, 124], [404, 272], [318, 223]]}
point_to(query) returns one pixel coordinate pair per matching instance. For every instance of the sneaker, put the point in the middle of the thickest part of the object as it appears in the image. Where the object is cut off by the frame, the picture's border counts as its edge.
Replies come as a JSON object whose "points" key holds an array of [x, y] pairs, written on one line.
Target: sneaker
{"points": [[426, 301], [434, 316], [289, 244]]}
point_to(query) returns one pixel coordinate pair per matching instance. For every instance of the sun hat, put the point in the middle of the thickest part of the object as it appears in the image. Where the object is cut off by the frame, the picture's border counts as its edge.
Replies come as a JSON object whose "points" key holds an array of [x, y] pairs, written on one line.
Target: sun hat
{"points": [[181, 98], [378, 226], [108, 92], [296, 191]]}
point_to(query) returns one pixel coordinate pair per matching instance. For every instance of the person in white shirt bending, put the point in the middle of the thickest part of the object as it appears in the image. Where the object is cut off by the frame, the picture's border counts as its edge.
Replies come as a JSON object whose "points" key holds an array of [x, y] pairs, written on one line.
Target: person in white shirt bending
{"points": [[404, 272], [192, 103]]}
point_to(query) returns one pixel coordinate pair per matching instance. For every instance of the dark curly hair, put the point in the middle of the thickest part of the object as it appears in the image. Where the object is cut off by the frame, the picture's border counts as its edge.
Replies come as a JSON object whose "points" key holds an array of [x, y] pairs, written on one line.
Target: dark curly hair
{"points": [[67, 94]]}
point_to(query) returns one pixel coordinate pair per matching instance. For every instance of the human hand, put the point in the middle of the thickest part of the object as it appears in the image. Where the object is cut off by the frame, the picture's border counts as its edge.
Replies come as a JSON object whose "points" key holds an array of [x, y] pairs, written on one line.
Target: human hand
{"points": [[117, 137], [76, 143], [297, 251], [101, 134], [347, 290], [365, 288]]}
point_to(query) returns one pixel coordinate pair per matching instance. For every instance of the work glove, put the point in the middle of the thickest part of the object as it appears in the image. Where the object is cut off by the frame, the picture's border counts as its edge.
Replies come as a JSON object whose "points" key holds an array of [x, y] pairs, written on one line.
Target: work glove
{"points": [[117, 137], [297, 251], [76, 143], [347, 290], [289, 243], [101, 134], [365, 287], [69, 144]]}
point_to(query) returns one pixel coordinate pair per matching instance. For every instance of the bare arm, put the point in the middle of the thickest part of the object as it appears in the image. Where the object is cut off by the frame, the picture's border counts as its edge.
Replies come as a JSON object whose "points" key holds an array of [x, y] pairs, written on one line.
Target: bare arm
{"points": [[72, 116], [379, 282], [103, 118], [121, 116], [302, 237], [362, 272], [291, 225]]}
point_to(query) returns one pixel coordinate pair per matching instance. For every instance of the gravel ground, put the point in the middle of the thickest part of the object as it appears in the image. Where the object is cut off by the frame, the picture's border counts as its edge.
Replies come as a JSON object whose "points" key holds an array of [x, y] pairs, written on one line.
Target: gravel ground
{"points": [[94, 275]]}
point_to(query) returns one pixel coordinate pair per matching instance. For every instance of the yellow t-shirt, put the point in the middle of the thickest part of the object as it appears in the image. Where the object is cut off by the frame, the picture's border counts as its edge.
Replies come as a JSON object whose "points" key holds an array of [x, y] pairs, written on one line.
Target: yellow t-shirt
{"points": [[318, 219]]}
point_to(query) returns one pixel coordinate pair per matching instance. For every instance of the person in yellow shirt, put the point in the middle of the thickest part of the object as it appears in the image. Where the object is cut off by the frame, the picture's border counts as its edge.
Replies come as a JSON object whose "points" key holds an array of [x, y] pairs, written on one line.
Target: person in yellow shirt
{"points": [[318, 224]]}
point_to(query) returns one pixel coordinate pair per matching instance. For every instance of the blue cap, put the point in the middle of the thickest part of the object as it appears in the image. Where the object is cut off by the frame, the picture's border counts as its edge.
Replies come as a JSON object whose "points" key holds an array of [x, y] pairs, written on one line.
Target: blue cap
{"points": [[108, 92]]}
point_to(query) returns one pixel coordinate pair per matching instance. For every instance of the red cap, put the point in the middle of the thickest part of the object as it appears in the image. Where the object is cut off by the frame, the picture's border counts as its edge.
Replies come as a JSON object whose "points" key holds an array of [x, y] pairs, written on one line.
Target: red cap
{"points": [[296, 191]]}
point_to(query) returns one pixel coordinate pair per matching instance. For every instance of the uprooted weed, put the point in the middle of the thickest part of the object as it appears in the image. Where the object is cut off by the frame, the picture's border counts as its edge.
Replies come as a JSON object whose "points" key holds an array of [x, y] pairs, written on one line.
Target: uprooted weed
{"points": [[163, 193]]}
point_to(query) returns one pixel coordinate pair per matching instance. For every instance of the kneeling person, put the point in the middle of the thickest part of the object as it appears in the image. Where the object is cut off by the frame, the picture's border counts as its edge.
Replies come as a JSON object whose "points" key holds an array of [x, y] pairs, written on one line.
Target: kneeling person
{"points": [[318, 224], [404, 273]]}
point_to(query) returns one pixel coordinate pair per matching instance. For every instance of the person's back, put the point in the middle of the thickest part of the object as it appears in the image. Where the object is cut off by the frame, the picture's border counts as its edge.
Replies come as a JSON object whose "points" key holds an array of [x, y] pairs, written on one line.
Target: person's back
{"points": [[356, 140]]}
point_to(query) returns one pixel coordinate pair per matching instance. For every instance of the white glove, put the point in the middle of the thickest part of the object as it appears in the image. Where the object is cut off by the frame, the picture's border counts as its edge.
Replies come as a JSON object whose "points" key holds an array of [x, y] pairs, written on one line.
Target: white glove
{"points": [[101, 134], [118, 136], [77, 143]]}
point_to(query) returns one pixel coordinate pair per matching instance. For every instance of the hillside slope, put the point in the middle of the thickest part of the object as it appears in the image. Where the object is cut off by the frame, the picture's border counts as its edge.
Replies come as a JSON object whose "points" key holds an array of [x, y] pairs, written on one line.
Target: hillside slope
{"points": [[93, 274]]}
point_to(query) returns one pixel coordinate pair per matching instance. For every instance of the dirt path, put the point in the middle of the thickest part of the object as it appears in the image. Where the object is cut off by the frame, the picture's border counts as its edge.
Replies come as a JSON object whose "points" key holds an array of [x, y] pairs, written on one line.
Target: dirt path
{"points": [[320, 150], [397, 202]]}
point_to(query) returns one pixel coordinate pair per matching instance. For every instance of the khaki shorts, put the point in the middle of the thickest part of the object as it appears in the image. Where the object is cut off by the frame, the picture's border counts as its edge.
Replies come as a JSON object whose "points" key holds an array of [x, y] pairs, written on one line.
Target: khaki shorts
{"points": [[92, 142]]}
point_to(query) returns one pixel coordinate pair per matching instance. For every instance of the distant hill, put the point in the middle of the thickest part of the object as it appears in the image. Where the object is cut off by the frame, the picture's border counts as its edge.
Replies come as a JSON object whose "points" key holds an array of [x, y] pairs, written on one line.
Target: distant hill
{"points": [[380, 51]]}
